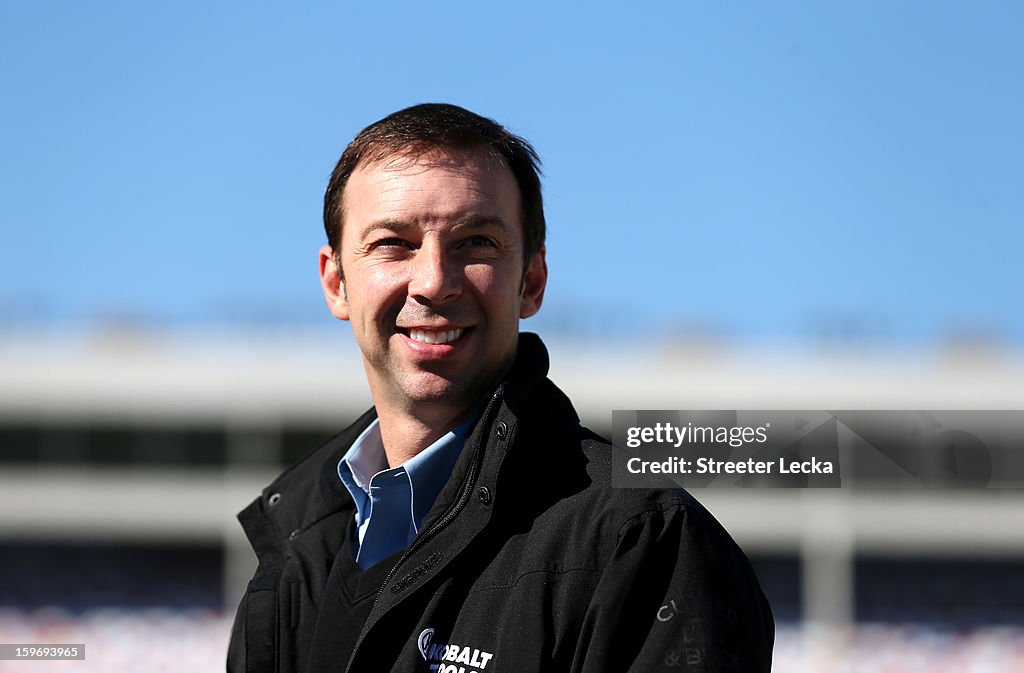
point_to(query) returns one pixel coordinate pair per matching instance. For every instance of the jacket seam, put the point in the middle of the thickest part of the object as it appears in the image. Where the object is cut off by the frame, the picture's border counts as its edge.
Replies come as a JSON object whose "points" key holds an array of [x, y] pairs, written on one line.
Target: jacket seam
{"points": [[518, 579], [680, 505]]}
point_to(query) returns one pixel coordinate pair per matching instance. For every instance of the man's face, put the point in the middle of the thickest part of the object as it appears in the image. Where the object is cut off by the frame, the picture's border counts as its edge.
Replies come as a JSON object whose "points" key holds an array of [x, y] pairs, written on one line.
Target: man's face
{"points": [[432, 254]]}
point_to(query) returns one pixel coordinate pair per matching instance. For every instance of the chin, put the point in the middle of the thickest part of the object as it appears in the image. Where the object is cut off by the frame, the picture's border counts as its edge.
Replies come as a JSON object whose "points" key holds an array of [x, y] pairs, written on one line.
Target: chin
{"points": [[434, 389]]}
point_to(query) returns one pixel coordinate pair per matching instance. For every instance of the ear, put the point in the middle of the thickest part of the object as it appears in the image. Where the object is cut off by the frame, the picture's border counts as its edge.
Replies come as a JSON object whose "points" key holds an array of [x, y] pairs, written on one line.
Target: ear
{"points": [[332, 284], [534, 282]]}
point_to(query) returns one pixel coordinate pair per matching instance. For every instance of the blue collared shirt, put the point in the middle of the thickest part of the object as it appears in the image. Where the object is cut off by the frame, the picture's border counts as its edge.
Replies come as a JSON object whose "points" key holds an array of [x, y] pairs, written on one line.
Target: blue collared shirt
{"points": [[391, 503]]}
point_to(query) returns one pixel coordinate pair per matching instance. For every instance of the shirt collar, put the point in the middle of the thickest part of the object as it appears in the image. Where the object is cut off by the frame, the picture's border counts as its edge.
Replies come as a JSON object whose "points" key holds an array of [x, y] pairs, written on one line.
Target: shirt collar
{"points": [[428, 471], [364, 458]]}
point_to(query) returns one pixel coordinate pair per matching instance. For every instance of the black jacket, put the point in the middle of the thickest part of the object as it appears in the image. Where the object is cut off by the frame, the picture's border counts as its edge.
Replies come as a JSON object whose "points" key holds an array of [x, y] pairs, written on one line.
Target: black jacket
{"points": [[528, 561]]}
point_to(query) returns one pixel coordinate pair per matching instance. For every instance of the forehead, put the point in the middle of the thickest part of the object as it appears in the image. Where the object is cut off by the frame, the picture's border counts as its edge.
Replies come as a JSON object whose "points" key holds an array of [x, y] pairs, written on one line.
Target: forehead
{"points": [[433, 188]]}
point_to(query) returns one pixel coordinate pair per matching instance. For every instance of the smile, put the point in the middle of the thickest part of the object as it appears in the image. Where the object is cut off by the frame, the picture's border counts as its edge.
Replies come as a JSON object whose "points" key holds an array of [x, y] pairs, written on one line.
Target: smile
{"points": [[435, 336]]}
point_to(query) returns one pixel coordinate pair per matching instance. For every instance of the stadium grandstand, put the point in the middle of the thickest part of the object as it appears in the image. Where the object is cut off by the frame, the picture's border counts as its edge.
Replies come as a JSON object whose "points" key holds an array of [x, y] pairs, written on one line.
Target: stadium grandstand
{"points": [[126, 455]]}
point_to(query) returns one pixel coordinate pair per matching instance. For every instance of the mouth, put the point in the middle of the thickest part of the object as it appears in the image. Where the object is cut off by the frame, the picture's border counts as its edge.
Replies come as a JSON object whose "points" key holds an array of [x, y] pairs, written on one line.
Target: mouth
{"points": [[433, 336]]}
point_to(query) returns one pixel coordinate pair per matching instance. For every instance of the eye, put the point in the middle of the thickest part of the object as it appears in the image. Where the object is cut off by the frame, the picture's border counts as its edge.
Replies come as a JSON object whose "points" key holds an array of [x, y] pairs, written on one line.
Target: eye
{"points": [[480, 242], [390, 243]]}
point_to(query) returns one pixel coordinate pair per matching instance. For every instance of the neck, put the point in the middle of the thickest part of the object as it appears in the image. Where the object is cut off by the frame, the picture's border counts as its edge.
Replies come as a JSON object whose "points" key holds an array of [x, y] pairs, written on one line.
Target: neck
{"points": [[408, 426], [405, 435]]}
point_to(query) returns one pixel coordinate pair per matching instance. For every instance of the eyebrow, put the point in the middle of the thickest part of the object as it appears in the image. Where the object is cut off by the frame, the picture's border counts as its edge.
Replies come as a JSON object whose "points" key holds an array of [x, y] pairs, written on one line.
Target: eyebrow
{"points": [[470, 221]]}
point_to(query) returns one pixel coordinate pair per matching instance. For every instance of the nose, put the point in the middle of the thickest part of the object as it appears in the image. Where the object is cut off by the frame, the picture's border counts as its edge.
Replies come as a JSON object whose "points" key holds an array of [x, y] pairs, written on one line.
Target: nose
{"points": [[436, 278]]}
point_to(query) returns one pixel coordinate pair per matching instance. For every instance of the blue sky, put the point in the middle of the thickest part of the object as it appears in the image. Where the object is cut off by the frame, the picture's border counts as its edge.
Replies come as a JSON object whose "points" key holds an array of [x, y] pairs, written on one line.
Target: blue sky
{"points": [[776, 172]]}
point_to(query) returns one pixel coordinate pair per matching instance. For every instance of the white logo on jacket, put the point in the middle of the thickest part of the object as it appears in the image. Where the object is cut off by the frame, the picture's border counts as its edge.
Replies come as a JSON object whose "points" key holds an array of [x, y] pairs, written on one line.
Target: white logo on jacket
{"points": [[446, 657]]}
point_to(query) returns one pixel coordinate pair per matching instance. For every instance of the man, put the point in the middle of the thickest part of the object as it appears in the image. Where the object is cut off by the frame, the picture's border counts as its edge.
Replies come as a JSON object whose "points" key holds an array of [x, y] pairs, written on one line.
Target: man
{"points": [[467, 522]]}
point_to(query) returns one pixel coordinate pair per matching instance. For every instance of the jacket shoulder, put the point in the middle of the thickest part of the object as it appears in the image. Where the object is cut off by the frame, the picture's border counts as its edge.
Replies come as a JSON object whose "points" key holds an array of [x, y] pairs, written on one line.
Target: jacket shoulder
{"points": [[629, 504], [570, 502], [570, 468], [306, 492]]}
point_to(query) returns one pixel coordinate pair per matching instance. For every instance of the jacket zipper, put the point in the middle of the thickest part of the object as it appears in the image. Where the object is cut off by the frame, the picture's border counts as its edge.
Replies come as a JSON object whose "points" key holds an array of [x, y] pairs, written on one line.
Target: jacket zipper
{"points": [[460, 504]]}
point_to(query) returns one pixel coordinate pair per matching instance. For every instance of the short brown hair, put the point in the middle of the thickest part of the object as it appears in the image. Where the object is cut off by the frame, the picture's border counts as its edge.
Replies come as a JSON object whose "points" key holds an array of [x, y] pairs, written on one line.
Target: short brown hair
{"points": [[421, 128]]}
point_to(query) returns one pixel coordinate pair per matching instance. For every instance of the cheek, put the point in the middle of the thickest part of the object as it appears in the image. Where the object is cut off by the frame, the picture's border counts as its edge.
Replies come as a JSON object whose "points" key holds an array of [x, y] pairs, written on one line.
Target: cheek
{"points": [[495, 283], [377, 289]]}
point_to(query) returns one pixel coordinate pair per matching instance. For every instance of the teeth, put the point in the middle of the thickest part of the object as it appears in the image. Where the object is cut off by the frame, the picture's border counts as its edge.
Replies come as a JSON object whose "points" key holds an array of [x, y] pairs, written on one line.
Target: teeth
{"points": [[431, 337]]}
